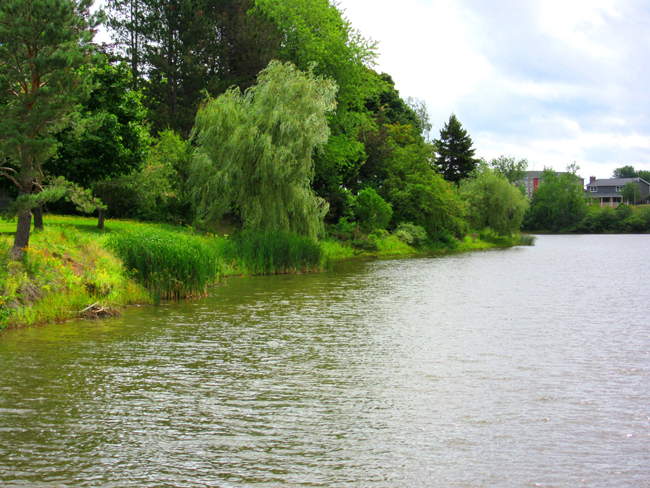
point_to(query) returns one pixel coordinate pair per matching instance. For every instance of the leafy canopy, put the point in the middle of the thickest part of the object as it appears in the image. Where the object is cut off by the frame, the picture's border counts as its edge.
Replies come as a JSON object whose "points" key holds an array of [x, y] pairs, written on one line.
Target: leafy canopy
{"points": [[493, 202], [254, 151], [558, 203]]}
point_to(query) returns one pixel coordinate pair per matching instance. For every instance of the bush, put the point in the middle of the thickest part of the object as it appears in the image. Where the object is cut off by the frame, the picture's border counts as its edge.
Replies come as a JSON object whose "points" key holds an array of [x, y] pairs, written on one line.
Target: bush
{"points": [[372, 211], [408, 233]]}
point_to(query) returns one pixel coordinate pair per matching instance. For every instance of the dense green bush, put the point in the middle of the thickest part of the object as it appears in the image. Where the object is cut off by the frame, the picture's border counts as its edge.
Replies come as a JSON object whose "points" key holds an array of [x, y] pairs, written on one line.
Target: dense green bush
{"points": [[372, 211], [413, 235], [622, 219]]}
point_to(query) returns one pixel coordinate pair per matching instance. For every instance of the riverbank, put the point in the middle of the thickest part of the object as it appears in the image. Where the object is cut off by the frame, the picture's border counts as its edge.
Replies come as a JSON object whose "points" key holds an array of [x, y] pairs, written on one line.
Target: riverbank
{"points": [[73, 269]]}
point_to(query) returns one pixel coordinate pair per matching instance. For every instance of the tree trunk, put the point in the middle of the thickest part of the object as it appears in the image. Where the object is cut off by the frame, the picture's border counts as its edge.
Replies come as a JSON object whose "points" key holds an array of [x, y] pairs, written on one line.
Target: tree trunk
{"points": [[38, 218], [100, 221], [21, 240]]}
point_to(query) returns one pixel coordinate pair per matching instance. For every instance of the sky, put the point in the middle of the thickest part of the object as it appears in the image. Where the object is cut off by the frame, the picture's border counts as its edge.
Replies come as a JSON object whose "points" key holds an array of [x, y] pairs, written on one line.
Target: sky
{"points": [[551, 81]]}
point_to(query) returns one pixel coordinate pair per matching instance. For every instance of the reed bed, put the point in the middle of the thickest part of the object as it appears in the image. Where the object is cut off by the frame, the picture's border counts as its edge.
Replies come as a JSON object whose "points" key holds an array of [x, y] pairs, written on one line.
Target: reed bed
{"points": [[256, 252], [170, 265]]}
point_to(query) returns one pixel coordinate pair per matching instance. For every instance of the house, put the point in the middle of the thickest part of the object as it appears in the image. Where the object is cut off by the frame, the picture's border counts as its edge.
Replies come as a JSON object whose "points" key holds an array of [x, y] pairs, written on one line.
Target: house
{"points": [[608, 191], [533, 179]]}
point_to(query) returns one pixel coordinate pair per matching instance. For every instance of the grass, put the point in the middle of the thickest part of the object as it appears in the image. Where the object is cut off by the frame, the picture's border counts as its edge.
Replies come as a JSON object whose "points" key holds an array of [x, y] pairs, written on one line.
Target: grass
{"points": [[62, 272], [274, 252], [170, 265]]}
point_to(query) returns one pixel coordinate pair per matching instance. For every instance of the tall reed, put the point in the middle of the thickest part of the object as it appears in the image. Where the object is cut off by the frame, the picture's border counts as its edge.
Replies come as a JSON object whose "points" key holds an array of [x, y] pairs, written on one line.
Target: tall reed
{"points": [[257, 252], [170, 264]]}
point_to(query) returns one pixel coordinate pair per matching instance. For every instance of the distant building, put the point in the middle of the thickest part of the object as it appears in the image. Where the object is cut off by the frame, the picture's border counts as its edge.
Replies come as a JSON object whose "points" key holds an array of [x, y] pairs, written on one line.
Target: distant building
{"points": [[533, 179], [608, 191]]}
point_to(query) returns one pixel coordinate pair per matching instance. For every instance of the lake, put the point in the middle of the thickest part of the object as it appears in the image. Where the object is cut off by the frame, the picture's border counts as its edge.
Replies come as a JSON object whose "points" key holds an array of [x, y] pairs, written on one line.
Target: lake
{"points": [[521, 367]]}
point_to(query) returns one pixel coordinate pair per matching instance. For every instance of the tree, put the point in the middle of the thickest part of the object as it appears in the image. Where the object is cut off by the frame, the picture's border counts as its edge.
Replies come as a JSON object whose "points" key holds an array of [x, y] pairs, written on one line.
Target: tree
{"points": [[513, 170], [254, 151], [632, 192], [493, 202], [644, 175], [43, 43], [558, 203], [372, 211], [111, 138], [455, 154], [625, 172], [178, 48]]}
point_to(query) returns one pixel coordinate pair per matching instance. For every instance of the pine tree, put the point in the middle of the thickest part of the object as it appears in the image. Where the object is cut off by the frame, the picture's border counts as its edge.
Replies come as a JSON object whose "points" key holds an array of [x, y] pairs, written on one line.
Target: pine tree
{"points": [[42, 45], [455, 154]]}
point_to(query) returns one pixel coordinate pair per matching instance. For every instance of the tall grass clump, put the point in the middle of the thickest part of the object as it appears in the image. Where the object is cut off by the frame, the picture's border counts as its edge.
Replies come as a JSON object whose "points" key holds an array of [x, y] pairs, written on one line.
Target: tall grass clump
{"points": [[272, 252], [171, 265]]}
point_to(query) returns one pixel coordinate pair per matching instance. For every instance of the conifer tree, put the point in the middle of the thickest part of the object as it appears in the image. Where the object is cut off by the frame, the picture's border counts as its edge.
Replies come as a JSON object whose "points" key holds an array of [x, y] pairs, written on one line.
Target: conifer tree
{"points": [[455, 158], [42, 45]]}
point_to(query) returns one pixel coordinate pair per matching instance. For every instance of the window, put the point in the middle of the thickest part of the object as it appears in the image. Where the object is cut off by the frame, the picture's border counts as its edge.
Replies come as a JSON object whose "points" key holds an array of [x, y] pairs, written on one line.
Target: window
{"points": [[593, 189], [619, 189]]}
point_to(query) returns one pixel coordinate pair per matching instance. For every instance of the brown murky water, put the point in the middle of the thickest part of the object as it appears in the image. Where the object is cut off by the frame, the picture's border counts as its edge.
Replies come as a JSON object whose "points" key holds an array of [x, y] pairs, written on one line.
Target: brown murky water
{"points": [[521, 367]]}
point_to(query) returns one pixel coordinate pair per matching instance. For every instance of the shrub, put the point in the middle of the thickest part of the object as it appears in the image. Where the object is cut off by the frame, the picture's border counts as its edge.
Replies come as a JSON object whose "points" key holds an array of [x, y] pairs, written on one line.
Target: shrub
{"points": [[372, 211], [408, 233]]}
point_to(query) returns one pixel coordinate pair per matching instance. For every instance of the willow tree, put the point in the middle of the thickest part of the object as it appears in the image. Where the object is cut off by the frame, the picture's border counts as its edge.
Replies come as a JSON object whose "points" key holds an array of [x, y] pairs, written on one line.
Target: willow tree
{"points": [[42, 43], [254, 151], [493, 202]]}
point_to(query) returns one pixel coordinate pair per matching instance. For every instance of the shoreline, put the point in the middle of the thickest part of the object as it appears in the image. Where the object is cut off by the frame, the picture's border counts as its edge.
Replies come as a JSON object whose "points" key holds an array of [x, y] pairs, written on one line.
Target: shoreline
{"points": [[69, 272]]}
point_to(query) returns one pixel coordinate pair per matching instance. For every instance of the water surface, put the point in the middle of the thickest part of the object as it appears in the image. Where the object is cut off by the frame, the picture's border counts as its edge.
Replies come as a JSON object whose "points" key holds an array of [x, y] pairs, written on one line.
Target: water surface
{"points": [[520, 367]]}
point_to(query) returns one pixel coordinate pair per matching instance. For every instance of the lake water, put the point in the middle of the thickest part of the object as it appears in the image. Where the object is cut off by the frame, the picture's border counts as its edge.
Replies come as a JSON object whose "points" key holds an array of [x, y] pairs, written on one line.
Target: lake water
{"points": [[521, 367]]}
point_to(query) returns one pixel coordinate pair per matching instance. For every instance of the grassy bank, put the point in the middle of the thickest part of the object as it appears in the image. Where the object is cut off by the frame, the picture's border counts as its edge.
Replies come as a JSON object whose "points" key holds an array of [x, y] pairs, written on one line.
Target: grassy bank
{"points": [[72, 269]]}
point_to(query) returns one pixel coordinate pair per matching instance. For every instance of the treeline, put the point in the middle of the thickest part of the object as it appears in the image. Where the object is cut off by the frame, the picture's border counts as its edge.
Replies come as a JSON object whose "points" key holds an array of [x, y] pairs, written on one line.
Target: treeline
{"points": [[267, 114], [560, 204]]}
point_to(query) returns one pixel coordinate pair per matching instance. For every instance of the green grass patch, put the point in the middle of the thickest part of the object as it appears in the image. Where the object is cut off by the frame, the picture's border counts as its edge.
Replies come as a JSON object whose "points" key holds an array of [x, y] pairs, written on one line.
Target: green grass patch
{"points": [[256, 252], [170, 265], [62, 272]]}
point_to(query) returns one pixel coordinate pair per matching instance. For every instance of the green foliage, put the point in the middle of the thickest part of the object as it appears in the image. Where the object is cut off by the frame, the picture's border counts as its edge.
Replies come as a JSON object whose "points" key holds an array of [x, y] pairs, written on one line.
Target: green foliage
{"points": [[558, 203], [110, 140], [493, 202], [272, 252], [625, 172], [157, 192], [419, 195], [170, 265], [411, 234], [632, 192], [254, 153], [622, 219], [513, 170], [372, 211], [56, 189], [62, 272], [43, 43], [455, 154]]}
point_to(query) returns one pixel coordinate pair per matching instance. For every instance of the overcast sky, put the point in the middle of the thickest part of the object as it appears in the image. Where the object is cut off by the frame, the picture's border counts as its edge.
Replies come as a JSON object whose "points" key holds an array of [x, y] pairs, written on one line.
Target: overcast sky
{"points": [[552, 81]]}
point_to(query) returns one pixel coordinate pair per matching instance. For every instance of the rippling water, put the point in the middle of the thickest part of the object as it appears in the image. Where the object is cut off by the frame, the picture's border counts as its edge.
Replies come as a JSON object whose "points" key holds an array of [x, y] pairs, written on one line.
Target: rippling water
{"points": [[521, 367]]}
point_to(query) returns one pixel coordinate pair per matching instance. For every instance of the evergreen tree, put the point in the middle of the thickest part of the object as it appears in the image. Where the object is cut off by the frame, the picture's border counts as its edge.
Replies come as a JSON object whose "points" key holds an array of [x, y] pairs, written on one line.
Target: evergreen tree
{"points": [[455, 154], [43, 43]]}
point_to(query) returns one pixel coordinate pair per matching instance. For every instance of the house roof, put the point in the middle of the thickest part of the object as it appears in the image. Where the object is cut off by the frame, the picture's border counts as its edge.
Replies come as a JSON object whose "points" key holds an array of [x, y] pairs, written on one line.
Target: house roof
{"points": [[615, 182]]}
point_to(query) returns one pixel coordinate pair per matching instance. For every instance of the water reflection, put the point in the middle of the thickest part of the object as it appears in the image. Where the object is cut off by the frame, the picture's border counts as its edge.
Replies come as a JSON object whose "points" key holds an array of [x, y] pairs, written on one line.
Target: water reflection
{"points": [[522, 367]]}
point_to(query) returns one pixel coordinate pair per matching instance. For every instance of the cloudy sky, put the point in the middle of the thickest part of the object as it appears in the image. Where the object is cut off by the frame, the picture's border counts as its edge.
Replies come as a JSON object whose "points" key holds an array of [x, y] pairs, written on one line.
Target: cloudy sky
{"points": [[552, 81]]}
